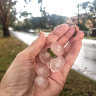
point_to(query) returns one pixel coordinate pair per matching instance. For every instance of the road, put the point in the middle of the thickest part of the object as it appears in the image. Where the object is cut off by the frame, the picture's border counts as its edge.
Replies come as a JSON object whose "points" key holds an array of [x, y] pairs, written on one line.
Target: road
{"points": [[86, 60]]}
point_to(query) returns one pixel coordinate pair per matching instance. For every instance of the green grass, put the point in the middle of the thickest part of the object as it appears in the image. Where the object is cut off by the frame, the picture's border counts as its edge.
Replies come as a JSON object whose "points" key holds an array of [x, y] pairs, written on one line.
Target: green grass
{"points": [[76, 84], [93, 38], [9, 48]]}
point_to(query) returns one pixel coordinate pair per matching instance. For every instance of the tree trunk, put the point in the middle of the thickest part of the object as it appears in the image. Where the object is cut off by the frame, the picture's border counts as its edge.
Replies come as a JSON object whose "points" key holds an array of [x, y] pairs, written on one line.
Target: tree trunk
{"points": [[6, 32]]}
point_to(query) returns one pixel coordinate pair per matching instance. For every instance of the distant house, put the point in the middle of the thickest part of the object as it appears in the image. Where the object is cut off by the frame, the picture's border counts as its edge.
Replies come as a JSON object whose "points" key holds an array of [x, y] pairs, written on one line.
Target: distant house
{"points": [[82, 19], [74, 20]]}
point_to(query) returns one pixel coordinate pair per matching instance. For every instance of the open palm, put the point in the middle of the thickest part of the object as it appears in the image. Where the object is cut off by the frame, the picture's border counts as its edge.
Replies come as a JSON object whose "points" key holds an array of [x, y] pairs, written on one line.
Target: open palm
{"points": [[19, 78]]}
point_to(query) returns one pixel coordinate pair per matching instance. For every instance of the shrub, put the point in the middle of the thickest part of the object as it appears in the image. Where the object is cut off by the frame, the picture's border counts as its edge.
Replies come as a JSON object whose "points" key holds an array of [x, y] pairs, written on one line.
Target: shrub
{"points": [[83, 27]]}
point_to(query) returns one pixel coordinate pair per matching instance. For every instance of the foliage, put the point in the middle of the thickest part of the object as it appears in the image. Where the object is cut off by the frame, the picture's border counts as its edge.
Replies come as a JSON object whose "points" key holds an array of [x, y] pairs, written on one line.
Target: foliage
{"points": [[25, 14], [44, 22], [38, 22], [8, 13], [27, 1], [21, 26], [83, 27], [12, 19], [85, 6], [90, 11], [39, 1], [54, 20]]}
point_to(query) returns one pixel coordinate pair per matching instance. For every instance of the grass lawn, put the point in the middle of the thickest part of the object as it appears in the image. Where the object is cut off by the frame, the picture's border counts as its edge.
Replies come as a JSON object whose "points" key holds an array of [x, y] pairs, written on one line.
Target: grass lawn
{"points": [[93, 38], [9, 48], [76, 84]]}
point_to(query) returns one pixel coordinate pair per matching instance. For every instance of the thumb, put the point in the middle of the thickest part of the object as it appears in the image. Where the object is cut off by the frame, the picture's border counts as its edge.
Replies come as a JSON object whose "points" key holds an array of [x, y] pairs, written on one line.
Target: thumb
{"points": [[37, 45]]}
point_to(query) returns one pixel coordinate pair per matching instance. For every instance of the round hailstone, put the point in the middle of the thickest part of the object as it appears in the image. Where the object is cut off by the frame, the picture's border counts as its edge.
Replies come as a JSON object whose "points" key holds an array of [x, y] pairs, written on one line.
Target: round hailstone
{"points": [[56, 64], [42, 70], [44, 56], [41, 82], [57, 49]]}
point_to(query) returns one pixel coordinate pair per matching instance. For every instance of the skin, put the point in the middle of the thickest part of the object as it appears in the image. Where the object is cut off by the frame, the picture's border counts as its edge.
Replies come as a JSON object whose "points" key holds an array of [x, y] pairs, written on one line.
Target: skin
{"points": [[19, 78]]}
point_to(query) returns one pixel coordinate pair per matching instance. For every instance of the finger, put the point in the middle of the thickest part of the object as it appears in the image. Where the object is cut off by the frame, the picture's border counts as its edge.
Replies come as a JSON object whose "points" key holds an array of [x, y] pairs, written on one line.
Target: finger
{"points": [[57, 33], [75, 45], [70, 58], [63, 40], [37, 45], [79, 36]]}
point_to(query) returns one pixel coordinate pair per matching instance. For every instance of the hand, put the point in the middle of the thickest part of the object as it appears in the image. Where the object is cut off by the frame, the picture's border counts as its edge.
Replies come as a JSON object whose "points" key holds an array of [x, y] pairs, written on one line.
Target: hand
{"points": [[19, 78]]}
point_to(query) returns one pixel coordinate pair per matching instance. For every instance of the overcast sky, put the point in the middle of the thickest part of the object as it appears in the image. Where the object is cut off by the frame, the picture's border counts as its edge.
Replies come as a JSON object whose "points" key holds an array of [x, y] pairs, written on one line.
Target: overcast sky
{"points": [[60, 7]]}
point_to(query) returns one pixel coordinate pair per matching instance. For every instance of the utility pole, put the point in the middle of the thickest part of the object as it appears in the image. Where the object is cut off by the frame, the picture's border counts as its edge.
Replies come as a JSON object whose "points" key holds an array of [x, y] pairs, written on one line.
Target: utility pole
{"points": [[78, 13]]}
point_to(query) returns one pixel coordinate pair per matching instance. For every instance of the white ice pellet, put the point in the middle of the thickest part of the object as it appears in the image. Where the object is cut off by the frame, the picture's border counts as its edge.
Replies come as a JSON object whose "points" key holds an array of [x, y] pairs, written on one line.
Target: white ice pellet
{"points": [[41, 82], [57, 49], [44, 56], [56, 64], [42, 70]]}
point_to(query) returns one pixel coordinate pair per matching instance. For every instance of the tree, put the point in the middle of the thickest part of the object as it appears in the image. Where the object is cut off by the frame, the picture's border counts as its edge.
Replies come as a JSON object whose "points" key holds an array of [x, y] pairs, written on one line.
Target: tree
{"points": [[38, 22], [5, 6], [54, 20], [93, 13], [51, 20], [6, 15], [83, 27], [6, 11], [90, 11]]}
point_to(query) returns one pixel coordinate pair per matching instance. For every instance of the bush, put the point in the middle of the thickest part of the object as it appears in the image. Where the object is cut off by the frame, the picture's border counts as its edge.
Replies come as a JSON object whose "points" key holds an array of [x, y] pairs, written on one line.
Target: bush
{"points": [[83, 27], [20, 27]]}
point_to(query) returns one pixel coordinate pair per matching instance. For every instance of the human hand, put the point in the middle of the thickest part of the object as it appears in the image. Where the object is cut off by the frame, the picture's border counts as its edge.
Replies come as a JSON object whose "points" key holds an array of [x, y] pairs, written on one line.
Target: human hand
{"points": [[19, 78]]}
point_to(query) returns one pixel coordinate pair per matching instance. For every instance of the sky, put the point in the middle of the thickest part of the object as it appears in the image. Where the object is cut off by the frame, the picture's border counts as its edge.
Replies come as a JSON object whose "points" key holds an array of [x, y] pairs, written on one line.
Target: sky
{"points": [[60, 7]]}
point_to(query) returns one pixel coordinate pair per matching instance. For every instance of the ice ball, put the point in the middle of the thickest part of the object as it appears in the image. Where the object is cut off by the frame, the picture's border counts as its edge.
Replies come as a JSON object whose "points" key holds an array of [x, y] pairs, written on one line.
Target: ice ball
{"points": [[41, 82], [56, 64], [57, 49], [42, 70]]}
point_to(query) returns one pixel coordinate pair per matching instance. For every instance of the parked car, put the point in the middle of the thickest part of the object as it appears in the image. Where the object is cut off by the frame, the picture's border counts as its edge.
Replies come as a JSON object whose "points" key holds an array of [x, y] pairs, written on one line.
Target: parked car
{"points": [[31, 31], [10, 29]]}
